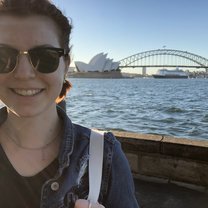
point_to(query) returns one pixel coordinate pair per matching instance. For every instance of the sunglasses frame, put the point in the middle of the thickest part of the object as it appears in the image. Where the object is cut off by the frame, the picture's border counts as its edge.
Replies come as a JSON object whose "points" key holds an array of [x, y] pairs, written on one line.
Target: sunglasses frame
{"points": [[59, 51]]}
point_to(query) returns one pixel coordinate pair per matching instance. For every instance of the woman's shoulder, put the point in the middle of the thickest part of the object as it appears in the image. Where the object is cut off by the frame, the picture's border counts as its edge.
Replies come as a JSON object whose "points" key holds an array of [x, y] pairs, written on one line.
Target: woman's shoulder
{"points": [[83, 132]]}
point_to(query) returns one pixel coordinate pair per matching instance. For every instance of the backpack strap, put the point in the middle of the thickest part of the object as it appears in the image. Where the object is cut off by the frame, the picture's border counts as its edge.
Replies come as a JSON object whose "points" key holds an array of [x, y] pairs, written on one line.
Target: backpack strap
{"points": [[95, 164]]}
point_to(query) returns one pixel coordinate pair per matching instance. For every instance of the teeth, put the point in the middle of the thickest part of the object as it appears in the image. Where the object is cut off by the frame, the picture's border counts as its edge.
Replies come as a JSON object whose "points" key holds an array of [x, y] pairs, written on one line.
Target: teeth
{"points": [[25, 92]]}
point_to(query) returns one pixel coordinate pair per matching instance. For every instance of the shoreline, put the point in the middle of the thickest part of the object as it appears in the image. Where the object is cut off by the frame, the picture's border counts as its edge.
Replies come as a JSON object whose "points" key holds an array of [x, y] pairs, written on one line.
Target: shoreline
{"points": [[98, 75]]}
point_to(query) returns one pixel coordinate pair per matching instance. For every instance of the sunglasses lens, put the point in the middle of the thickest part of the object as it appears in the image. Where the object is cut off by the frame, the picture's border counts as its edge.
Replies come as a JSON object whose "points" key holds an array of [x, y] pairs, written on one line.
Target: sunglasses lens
{"points": [[44, 60], [8, 57]]}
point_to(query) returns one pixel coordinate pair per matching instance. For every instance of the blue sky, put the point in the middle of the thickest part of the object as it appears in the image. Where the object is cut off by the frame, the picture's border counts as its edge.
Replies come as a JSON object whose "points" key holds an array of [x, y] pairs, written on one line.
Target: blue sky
{"points": [[125, 27]]}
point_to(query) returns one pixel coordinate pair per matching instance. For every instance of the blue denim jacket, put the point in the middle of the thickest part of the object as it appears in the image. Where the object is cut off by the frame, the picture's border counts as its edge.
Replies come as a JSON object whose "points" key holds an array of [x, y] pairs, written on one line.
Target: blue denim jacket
{"points": [[71, 181]]}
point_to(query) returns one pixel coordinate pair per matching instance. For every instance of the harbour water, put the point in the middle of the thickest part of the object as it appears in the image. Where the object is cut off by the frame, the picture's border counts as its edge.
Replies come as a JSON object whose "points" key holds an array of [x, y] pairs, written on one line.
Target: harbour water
{"points": [[175, 107]]}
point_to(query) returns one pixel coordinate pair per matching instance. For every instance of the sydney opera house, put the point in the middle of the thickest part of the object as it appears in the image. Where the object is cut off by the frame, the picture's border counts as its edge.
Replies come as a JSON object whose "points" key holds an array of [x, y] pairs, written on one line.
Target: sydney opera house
{"points": [[99, 63]]}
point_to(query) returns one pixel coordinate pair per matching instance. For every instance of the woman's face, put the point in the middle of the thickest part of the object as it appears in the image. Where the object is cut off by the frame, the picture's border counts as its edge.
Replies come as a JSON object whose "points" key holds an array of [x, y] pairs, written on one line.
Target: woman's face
{"points": [[25, 91]]}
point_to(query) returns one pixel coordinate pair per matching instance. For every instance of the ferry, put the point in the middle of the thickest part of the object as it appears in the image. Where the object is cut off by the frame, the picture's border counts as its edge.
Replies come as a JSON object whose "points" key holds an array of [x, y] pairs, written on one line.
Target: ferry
{"points": [[170, 74]]}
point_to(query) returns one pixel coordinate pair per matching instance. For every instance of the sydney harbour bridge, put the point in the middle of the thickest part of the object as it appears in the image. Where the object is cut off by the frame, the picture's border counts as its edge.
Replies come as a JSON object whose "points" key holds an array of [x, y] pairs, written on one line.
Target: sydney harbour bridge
{"points": [[165, 58]]}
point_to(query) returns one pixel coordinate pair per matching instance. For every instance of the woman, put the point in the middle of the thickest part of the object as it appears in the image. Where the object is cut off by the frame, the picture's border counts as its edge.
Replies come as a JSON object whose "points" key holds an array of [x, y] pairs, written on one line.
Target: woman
{"points": [[44, 156]]}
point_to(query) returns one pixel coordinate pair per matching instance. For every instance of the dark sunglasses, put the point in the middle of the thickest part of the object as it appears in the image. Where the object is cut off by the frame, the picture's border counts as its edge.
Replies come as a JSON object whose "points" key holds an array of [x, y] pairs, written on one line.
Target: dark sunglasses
{"points": [[43, 59]]}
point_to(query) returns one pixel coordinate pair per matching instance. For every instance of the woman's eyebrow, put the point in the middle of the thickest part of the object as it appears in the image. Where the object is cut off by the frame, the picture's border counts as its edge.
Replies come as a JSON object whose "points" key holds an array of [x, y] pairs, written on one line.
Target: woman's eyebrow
{"points": [[44, 45]]}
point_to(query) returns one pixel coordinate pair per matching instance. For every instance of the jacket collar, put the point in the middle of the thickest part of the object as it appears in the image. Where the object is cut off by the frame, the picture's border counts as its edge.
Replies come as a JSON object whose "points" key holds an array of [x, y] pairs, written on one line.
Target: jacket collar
{"points": [[67, 145]]}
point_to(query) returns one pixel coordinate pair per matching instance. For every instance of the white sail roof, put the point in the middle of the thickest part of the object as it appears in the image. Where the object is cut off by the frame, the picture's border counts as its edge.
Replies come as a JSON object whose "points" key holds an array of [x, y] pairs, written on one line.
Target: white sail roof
{"points": [[99, 62]]}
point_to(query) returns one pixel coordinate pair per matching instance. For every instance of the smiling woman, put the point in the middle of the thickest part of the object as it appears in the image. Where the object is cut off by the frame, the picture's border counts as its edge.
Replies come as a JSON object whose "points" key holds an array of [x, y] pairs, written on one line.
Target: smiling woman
{"points": [[44, 156], [28, 77]]}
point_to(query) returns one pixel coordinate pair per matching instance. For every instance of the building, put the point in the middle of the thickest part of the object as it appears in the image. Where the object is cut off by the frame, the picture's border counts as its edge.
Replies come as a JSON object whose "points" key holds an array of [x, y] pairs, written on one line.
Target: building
{"points": [[99, 63]]}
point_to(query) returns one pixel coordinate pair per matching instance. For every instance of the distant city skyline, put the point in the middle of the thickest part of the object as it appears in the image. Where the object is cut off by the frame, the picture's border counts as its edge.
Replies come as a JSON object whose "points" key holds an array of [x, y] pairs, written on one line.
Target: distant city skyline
{"points": [[123, 28]]}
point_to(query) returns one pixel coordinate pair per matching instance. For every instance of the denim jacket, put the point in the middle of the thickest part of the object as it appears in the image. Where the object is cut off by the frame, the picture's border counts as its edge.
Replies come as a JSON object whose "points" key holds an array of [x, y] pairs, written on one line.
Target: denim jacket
{"points": [[71, 180]]}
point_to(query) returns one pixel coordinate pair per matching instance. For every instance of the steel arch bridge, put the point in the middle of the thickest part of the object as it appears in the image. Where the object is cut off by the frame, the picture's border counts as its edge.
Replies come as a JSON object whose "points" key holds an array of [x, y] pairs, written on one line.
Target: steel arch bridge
{"points": [[164, 58]]}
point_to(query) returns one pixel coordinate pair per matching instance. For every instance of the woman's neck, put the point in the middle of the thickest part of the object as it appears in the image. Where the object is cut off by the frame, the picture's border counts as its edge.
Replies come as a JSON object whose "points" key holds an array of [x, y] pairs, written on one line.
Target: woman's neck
{"points": [[32, 132], [31, 144]]}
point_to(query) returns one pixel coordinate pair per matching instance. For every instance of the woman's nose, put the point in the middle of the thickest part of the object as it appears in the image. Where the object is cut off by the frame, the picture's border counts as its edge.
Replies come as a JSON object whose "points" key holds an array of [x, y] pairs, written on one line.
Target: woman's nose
{"points": [[24, 69]]}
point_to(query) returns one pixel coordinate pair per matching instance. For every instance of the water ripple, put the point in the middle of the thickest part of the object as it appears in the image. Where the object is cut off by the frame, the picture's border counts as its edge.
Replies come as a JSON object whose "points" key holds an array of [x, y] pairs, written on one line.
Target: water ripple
{"points": [[167, 107]]}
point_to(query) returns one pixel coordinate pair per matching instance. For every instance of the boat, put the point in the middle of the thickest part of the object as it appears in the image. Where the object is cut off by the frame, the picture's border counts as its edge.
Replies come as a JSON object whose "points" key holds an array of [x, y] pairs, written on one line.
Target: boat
{"points": [[170, 74]]}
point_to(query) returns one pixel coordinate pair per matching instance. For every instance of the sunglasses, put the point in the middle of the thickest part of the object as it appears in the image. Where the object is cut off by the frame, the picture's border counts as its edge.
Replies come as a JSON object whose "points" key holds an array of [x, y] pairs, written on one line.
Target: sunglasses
{"points": [[43, 59]]}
